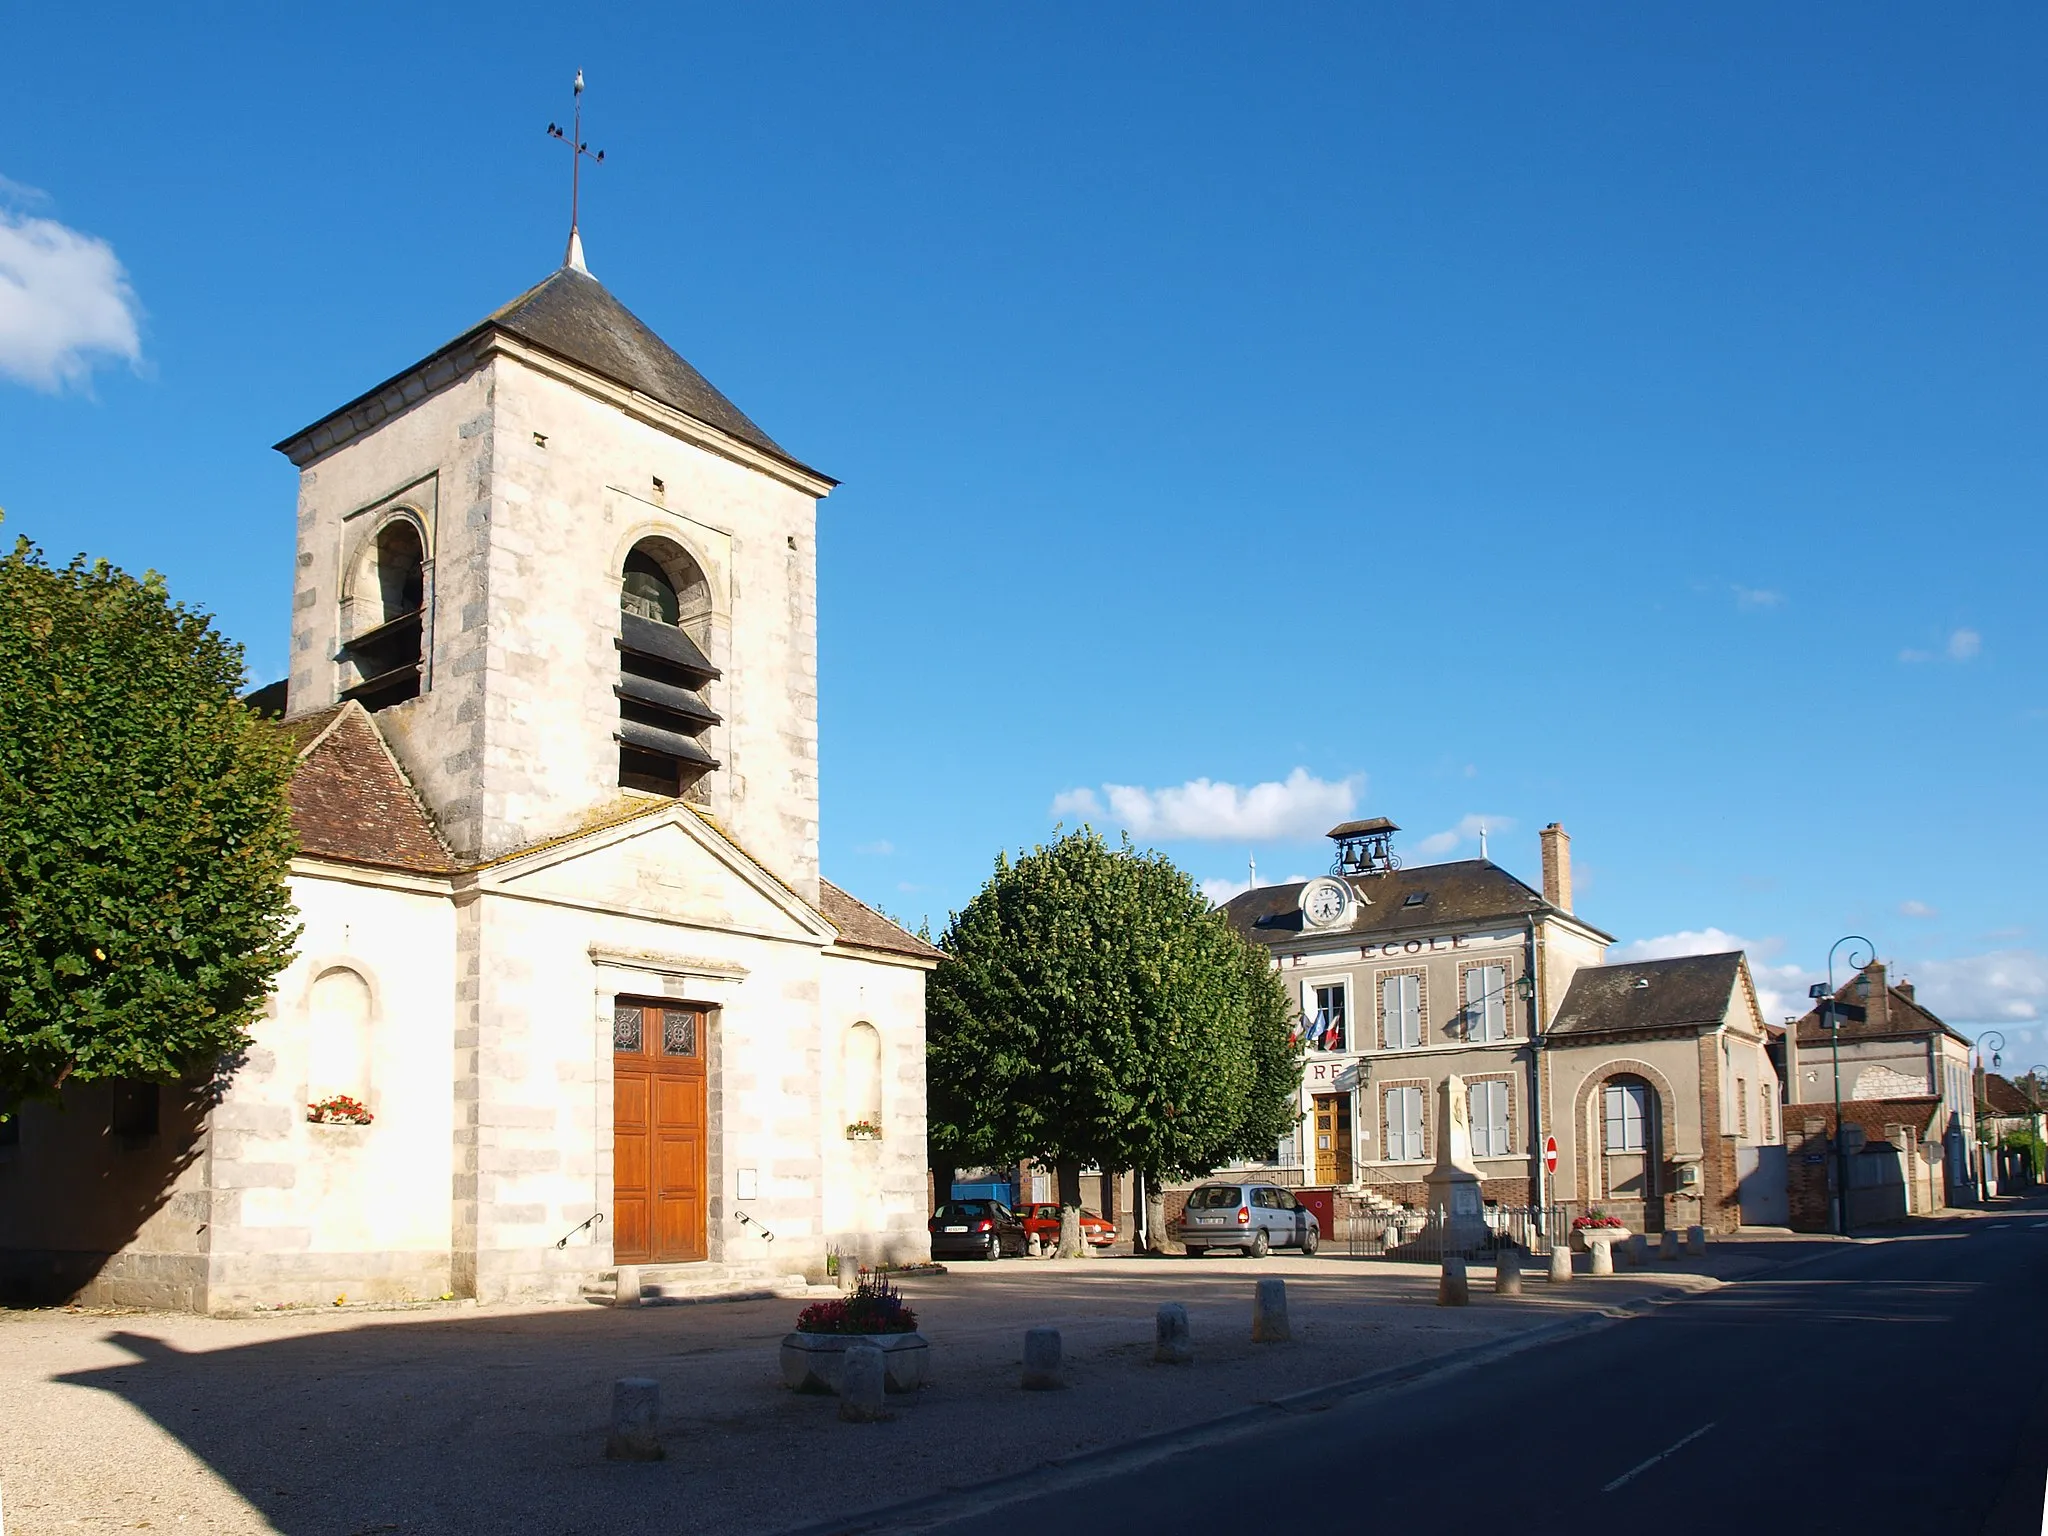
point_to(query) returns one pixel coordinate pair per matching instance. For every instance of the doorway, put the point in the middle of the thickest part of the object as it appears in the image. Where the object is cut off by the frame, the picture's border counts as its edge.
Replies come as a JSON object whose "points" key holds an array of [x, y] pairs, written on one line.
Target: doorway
{"points": [[1332, 1162], [658, 1133]]}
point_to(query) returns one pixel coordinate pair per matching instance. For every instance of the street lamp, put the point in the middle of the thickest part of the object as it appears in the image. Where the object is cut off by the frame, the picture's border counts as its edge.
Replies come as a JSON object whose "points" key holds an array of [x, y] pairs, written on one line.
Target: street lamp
{"points": [[1831, 1015], [1994, 1042]]}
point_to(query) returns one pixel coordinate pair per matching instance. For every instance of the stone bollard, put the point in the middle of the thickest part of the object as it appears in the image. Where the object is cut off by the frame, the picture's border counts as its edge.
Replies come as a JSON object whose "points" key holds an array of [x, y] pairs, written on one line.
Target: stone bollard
{"points": [[627, 1292], [1269, 1313], [1033, 1248], [1507, 1272], [1042, 1360], [863, 1379], [1171, 1342], [1638, 1250], [1560, 1262], [1696, 1241], [1453, 1289], [636, 1405], [1667, 1245], [1602, 1256]]}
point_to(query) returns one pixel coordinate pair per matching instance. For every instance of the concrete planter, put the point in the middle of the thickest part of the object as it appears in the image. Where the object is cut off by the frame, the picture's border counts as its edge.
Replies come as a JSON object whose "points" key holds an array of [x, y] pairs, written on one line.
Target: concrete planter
{"points": [[811, 1361], [1599, 1234]]}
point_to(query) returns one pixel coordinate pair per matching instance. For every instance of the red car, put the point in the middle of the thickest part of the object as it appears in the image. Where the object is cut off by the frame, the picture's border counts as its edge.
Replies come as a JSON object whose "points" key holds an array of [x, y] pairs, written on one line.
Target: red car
{"points": [[1045, 1221]]}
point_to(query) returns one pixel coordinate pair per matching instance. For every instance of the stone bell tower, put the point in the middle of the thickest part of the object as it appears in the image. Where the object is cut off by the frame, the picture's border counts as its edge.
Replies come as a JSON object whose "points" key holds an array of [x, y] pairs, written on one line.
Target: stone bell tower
{"points": [[568, 576]]}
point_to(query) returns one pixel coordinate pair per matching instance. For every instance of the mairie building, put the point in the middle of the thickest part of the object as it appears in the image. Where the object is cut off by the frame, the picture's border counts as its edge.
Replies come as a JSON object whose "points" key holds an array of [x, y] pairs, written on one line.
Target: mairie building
{"points": [[1650, 1083], [554, 686]]}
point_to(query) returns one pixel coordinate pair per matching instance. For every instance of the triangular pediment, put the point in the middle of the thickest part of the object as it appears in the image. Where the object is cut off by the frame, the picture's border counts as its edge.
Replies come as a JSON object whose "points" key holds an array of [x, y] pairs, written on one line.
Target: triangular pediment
{"points": [[667, 866]]}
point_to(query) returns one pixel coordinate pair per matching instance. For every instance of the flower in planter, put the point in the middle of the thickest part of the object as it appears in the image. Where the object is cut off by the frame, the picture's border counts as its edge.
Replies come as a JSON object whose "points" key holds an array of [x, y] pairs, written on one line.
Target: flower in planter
{"points": [[863, 1130], [339, 1109], [1596, 1219], [874, 1307]]}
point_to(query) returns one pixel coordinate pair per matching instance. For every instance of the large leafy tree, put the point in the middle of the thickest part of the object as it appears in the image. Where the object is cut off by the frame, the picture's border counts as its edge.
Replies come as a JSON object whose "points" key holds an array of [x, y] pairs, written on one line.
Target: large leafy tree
{"points": [[144, 833], [1093, 1009]]}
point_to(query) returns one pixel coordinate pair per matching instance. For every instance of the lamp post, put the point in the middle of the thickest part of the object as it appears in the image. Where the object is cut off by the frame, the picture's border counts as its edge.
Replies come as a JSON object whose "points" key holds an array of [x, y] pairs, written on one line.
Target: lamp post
{"points": [[1831, 1015], [1994, 1042]]}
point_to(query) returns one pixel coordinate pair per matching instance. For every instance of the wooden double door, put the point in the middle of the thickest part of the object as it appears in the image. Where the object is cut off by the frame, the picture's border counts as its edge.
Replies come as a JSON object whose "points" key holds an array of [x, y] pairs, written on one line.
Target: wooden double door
{"points": [[1330, 1161], [659, 1133]]}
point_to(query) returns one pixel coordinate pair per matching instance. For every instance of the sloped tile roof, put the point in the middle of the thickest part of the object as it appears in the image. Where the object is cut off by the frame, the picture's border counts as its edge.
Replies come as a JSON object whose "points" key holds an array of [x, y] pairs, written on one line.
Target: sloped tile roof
{"points": [[351, 802], [1890, 1011], [862, 927], [1876, 1116], [1465, 891], [1692, 990]]}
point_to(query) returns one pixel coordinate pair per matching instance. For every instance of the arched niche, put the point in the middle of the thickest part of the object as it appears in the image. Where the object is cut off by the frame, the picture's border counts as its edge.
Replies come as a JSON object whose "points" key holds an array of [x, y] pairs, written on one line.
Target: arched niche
{"points": [[339, 1016], [863, 1068]]}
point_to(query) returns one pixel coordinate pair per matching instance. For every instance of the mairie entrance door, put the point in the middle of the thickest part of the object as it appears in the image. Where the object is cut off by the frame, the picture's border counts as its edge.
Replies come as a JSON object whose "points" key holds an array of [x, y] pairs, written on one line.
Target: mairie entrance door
{"points": [[658, 1133], [1332, 1161]]}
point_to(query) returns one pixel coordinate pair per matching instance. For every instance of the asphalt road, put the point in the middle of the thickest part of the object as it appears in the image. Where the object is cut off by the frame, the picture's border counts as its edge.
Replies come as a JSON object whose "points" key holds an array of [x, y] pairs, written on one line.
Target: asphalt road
{"points": [[1898, 1386]]}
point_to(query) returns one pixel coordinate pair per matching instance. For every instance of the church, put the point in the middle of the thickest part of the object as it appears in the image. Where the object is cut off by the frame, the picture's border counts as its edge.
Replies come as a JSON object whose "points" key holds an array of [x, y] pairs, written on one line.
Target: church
{"points": [[571, 992]]}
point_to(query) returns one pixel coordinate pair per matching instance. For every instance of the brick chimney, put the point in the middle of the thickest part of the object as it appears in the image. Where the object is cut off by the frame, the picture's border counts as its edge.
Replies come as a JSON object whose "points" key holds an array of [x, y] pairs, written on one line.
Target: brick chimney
{"points": [[1905, 989], [1557, 866]]}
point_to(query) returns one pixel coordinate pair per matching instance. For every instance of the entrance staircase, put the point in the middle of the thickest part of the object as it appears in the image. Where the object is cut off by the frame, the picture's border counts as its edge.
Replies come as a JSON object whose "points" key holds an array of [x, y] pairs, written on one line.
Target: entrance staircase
{"points": [[674, 1285]]}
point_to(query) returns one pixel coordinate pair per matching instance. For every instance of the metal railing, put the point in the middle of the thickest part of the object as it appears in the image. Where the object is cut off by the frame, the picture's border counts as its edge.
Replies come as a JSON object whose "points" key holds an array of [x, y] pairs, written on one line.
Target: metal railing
{"points": [[1416, 1236]]}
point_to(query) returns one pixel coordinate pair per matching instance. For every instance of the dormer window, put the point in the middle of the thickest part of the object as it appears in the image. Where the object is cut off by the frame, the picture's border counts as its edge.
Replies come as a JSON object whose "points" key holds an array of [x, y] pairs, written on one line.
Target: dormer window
{"points": [[387, 614], [663, 670]]}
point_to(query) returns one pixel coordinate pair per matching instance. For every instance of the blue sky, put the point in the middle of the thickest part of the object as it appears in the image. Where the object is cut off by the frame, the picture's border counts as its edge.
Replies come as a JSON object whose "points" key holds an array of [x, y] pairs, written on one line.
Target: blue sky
{"points": [[1631, 418]]}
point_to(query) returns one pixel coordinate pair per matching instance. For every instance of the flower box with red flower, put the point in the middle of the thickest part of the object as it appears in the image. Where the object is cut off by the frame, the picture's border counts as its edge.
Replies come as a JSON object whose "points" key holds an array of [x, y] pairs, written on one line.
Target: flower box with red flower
{"points": [[339, 1109], [873, 1313]]}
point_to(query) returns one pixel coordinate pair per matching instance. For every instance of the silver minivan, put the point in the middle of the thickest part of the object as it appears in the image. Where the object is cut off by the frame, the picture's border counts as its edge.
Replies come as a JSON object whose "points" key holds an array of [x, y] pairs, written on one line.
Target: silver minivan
{"points": [[1252, 1218]]}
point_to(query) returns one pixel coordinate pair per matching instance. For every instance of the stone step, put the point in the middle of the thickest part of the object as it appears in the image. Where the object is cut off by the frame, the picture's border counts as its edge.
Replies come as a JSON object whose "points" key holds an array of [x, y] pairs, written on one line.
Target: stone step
{"points": [[680, 1284]]}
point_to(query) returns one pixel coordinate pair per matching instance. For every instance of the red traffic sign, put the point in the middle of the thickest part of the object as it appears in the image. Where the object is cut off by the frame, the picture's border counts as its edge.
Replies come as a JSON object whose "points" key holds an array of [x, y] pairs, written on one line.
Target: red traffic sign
{"points": [[1550, 1154]]}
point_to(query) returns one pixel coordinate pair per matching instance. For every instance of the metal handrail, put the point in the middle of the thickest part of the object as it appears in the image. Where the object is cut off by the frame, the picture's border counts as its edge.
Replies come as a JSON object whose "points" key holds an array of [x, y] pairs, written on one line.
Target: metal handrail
{"points": [[595, 1218], [747, 1221]]}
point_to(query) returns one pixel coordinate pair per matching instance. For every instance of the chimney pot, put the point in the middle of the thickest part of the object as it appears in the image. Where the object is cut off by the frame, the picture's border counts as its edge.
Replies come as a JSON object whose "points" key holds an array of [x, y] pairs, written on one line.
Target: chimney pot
{"points": [[1557, 866]]}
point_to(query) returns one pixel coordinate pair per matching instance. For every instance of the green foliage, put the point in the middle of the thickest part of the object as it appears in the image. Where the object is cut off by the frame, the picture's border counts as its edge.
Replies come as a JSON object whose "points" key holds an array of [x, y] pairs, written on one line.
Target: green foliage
{"points": [[2026, 1141], [144, 833], [1093, 1009]]}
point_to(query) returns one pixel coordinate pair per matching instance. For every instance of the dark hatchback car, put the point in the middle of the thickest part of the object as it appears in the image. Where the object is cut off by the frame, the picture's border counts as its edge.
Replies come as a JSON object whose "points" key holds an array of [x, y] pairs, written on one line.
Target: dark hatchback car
{"points": [[976, 1229]]}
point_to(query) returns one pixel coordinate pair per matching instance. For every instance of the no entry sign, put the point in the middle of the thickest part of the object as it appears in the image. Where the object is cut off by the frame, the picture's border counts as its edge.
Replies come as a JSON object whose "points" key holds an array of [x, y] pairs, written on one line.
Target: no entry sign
{"points": [[1550, 1154]]}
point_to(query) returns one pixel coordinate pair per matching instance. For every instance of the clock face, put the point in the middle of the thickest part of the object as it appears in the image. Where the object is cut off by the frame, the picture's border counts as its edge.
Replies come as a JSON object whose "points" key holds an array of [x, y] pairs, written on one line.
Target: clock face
{"points": [[1325, 901]]}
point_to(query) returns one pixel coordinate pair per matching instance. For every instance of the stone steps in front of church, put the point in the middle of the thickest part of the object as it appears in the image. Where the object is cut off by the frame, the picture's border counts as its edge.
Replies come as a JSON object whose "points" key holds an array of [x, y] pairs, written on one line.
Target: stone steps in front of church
{"points": [[680, 1284]]}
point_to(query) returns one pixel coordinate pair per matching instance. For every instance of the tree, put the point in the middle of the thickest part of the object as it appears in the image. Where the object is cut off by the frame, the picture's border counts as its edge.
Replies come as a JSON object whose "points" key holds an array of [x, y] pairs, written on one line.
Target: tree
{"points": [[1093, 1009], [144, 833]]}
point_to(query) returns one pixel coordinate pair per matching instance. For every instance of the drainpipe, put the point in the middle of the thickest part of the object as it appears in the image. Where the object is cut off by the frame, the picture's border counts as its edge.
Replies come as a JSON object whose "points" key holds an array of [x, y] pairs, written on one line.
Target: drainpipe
{"points": [[1536, 1072]]}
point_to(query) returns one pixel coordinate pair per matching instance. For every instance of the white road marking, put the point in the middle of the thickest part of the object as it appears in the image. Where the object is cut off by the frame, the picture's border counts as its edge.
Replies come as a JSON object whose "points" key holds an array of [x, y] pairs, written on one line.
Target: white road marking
{"points": [[2037, 1226], [1637, 1471]]}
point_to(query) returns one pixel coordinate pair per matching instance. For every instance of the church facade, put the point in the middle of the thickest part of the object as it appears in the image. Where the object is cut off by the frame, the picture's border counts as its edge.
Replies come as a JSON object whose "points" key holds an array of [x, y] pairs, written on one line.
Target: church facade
{"points": [[566, 943]]}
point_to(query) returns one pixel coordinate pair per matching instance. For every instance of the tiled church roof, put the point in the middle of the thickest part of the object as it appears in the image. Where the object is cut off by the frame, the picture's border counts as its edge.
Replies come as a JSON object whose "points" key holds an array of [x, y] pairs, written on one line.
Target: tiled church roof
{"points": [[351, 801], [864, 928]]}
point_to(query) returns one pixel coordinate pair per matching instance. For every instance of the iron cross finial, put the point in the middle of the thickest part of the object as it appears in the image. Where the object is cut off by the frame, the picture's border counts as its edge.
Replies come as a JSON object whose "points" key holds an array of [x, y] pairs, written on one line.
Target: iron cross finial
{"points": [[578, 150]]}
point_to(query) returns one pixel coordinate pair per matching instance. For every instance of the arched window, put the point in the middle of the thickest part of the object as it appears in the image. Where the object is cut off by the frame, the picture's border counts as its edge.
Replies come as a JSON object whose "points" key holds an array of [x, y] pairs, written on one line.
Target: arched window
{"points": [[388, 616], [664, 613], [338, 1036], [1631, 1136]]}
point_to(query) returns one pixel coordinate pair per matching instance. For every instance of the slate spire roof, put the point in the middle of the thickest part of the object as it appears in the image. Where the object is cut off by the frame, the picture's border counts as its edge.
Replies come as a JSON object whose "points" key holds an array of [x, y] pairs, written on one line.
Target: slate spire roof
{"points": [[570, 315], [573, 315]]}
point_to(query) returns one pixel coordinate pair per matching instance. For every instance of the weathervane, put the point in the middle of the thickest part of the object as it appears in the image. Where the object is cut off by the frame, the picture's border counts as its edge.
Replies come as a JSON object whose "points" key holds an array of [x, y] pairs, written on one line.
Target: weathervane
{"points": [[578, 149]]}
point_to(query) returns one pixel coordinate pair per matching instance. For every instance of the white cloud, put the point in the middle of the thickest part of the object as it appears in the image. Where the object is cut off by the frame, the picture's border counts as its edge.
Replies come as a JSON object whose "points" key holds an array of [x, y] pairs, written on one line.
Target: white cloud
{"points": [[1691, 941], [880, 848], [1300, 806], [1757, 597], [1466, 831], [1917, 909], [1961, 645], [65, 302], [1220, 888], [2002, 987]]}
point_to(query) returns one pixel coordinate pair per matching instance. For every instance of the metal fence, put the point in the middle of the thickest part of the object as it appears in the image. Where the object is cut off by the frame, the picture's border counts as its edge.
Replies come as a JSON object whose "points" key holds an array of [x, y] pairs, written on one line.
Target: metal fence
{"points": [[1380, 1234]]}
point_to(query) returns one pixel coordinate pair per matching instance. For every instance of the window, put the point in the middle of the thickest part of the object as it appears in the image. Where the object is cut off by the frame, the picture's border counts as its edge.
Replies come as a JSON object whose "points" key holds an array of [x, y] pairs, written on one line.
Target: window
{"points": [[1326, 1030], [1489, 1105], [1401, 1011], [1628, 1111], [1486, 1003], [137, 1111], [1404, 1124], [386, 619], [663, 596], [1763, 1104], [1216, 1197], [1741, 1107]]}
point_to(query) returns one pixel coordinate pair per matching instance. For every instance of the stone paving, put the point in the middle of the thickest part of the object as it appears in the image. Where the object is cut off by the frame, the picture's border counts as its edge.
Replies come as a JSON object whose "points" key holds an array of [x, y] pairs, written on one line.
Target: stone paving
{"points": [[465, 1419]]}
